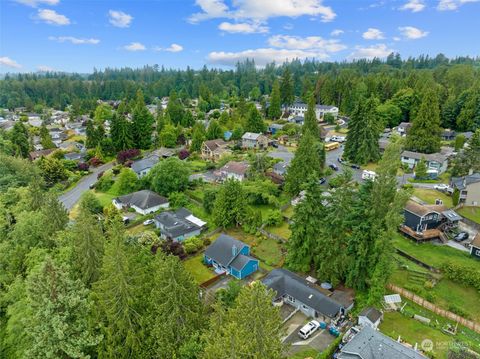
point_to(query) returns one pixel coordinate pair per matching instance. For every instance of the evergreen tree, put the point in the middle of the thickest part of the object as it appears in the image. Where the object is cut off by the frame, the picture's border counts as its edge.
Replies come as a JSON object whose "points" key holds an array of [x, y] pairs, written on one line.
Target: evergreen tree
{"points": [[255, 122], [306, 162], [251, 329], [424, 135], [120, 132], [363, 133], [469, 117], [19, 138], [214, 130], [287, 87], [275, 108], [59, 310], [88, 243], [229, 206], [198, 138], [45, 138], [179, 315], [310, 123], [94, 134], [142, 123], [421, 169], [169, 136]]}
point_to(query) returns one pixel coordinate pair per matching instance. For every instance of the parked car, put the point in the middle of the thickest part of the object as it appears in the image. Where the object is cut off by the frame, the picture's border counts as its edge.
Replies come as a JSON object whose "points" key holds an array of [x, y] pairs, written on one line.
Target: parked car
{"points": [[461, 236], [338, 139], [340, 159], [322, 180], [274, 144], [442, 187], [333, 166], [91, 186], [147, 222], [355, 167], [308, 329]]}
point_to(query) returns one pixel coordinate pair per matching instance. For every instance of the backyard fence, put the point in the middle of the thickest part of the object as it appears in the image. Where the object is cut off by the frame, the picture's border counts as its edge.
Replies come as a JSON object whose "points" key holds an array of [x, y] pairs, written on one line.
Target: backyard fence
{"points": [[271, 235], [433, 308], [417, 261], [211, 281]]}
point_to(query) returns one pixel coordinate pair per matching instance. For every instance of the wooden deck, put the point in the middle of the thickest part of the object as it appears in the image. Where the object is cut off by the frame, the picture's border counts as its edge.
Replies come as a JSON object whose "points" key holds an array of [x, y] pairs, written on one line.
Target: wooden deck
{"points": [[426, 235]]}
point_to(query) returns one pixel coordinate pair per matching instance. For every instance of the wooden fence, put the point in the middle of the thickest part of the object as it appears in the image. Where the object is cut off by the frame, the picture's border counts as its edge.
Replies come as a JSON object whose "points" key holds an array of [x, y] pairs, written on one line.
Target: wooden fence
{"points": [[433, 308]]}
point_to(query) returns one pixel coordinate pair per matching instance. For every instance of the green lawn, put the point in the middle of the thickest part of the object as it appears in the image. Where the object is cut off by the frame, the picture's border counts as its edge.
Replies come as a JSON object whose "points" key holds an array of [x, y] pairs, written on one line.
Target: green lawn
{"points": [[472, 213], [463, 297], [199, 271], [283, 230], [413, 331], [370, 166], [105, 198], [288, 212], [306, 353], [197, 165], [430, 195], [434, 255]]}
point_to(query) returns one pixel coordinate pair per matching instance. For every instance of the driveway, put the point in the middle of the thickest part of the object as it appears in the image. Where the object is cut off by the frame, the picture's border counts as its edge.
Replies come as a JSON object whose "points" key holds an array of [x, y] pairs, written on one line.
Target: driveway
{"points": [[69, 198]]}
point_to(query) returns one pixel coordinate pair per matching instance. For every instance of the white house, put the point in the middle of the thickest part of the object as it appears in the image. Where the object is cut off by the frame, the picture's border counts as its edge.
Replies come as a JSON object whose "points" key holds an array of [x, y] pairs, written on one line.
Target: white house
{"points": [[434, 161], [143, 202], [371, 317], [300, 108]]}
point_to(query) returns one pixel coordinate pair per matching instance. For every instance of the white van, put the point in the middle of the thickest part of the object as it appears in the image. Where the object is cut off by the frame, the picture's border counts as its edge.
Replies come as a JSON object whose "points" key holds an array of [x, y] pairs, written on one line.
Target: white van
{"points": [[368, 175], [308, 329]]}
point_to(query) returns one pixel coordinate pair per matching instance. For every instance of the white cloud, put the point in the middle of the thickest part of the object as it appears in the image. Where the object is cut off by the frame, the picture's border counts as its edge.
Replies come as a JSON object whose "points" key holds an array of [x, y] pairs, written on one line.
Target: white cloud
{"points": [[243, 28], [74, 40], [288, 26], [171, 48], [52, 17], [306, 43], [262, 9], [370, 52], [337, 32], [373, 34], [413, 5], [45, 68], [396, 38], [412, 33], [449, 5], [119, 18], [35, 3], [8, 62], [135, 46]]}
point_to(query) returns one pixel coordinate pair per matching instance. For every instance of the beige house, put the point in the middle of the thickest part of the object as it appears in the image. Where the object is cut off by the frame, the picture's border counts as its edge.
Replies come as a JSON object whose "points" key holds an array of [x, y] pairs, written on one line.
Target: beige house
{"points": [[213, 150], [469, 188], [257, 141]]}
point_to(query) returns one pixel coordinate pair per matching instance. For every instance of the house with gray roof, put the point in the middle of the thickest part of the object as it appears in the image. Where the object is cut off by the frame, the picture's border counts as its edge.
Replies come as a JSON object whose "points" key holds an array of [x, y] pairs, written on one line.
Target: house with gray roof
{"points": [[296, 291], [435, 161], [257, 141], [371, 344], [178, 225], [469, 188], [143, 202], [143, 166], [229, 255], [370, 316], [300, 108]]}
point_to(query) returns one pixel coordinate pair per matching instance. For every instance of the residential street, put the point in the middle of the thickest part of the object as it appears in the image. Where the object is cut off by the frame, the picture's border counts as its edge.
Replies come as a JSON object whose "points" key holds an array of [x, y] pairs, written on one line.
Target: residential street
{"points": [[68, 199]]}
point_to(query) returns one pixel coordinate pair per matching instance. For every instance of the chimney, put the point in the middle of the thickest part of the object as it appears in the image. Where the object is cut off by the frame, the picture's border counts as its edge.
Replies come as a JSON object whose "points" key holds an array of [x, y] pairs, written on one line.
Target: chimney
{"points": [[234, 250]]}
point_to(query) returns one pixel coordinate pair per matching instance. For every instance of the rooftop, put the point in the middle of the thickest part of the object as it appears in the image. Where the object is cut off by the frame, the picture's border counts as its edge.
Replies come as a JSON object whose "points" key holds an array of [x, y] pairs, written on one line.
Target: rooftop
{"points": [[178, 223], [142, 199], [437, 157], [226, 251]]}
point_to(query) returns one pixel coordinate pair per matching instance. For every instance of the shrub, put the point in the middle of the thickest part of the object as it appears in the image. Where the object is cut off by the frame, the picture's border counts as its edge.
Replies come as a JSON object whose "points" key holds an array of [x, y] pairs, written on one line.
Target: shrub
{"points": [[95, 161], [183, 154], [177, 199], [457, 310], [193, 244], [125, 155], [273, 218], [466, 275], [116, 169], [82, 166], [104, 183], [174, 248]]}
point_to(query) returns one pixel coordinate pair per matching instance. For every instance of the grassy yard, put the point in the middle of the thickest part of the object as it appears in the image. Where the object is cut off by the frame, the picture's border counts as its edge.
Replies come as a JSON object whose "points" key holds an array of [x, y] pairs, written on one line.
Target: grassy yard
{"points": [[430, 195], [306, 353], [370, 167], [288, 212], [105, 198], [434, 255], [199, 271], [282, 230], [472, 213], [197, 165]]}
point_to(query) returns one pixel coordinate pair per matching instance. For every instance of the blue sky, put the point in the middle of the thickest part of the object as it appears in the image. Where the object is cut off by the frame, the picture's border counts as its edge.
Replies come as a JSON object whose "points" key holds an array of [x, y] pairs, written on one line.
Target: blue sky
{"points": [[78, 35]]}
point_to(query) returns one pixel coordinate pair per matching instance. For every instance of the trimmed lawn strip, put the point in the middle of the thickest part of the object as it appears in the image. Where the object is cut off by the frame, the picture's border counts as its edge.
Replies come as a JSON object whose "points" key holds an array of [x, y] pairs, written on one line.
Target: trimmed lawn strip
{"points": [[200, 272], [472, 213], [306, 353], [430, 195], [283, 230]]}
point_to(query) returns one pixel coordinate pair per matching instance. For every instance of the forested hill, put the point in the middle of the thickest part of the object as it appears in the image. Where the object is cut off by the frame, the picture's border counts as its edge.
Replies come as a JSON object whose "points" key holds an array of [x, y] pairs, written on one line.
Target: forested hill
{"points": [[457, 82]]}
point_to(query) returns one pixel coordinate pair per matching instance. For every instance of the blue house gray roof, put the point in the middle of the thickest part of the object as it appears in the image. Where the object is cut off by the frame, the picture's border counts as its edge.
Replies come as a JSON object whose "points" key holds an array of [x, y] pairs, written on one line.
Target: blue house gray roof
{"points": [[225, 250], [284, 282], [371, 344]]}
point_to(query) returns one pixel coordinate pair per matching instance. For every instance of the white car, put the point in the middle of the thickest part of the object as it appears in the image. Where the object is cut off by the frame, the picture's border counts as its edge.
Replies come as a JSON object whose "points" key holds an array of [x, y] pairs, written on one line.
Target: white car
{"points": [[340, 139], [442, 187], [308, 329], [147, 222]]}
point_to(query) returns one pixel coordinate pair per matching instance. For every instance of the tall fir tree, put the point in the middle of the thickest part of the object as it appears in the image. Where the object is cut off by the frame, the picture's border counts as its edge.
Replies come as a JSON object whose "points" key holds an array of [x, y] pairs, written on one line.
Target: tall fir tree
{"points": [[230, 203], [364, 130], [198, 137], [142, 123], [59, 309], [120, 132], [287, 87], [45, 138], [251, 329], [424, 135], [310, 123], [20, 139], [275, 107], [255, 121]]}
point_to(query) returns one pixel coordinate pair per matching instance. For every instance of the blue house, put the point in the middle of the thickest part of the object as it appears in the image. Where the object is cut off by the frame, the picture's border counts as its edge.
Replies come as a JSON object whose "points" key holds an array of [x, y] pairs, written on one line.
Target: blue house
{"points": [[231, 256], [227, 135], [274, 128]]}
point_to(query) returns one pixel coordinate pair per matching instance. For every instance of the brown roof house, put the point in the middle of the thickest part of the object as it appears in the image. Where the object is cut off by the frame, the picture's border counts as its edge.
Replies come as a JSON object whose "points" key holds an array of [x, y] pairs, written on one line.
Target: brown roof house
{"points": [[213, 150], [233, 169]]}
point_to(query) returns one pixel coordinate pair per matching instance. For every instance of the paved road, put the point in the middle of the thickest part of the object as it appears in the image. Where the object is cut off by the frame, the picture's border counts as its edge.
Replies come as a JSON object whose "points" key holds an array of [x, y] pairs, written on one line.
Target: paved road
{"points": [[72, 196]]}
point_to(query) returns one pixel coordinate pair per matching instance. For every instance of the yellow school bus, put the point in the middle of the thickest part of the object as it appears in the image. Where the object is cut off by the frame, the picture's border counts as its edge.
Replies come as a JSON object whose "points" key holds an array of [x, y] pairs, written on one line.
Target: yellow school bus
{"points": [[331, 146]]}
